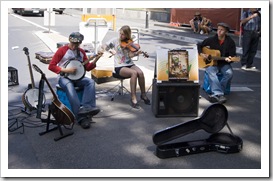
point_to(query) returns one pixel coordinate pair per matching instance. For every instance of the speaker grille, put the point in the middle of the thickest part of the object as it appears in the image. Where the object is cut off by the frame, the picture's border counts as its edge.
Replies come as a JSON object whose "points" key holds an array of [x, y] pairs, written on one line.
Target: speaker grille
{"points": [[175, 99]]}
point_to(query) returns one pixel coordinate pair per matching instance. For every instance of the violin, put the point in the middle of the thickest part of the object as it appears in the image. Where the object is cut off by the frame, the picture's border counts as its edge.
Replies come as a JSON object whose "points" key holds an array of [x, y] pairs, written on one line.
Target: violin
{"points": [[133, 47]]}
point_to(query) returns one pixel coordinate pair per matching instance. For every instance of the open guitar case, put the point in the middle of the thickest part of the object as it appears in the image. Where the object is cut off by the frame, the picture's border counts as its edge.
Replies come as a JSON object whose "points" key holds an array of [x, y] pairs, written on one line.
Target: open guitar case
{"points": [[212, 120]]}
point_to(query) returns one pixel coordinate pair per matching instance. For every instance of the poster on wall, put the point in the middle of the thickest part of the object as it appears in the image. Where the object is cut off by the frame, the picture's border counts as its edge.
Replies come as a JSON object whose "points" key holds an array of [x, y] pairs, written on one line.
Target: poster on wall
{"points": [[178, 64]]}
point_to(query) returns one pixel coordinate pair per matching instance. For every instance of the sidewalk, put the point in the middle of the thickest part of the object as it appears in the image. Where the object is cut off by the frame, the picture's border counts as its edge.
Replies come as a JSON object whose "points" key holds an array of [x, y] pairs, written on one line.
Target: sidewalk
{"points": [[175, 33]]}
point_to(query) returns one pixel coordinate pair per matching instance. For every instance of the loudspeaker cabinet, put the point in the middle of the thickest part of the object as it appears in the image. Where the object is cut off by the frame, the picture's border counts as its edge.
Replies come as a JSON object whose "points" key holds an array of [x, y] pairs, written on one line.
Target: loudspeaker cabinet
{"points": [[175, 99]]}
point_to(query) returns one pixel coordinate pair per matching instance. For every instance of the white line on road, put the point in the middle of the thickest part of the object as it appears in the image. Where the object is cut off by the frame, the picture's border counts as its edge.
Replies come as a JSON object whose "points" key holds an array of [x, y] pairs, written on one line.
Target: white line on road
{"points": [[30, 22]]}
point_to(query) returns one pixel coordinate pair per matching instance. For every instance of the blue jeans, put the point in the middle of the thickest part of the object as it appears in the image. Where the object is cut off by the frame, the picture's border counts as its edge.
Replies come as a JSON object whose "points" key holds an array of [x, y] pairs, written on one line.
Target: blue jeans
{"points": [[89, 94], [219, 87]]}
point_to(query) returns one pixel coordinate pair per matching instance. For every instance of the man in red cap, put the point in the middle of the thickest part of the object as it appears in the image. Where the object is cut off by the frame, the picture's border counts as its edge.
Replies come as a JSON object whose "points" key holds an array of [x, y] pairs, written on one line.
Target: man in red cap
{"points": [[82, 110]]}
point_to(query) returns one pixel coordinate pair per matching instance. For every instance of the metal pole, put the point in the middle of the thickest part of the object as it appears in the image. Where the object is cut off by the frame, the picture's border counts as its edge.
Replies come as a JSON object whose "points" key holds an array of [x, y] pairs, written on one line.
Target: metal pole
{"points": [[96, 36], [49, 17], [147, 19], [240, 36], [49, 14]]}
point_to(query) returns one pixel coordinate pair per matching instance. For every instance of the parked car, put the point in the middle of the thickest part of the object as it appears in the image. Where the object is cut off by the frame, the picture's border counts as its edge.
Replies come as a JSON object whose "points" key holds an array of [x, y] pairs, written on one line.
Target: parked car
{"points": [[59, 10], [29, 11]]}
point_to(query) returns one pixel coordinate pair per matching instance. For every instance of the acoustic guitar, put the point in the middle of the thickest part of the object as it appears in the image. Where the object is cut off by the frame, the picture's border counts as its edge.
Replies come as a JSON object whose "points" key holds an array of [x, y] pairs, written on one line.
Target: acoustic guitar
{"points": [[60, 112], [213, 58], [31, 95]]}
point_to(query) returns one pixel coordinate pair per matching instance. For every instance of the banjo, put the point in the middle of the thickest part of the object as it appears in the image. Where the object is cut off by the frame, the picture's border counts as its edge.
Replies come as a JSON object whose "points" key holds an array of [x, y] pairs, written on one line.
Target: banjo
{"points": [[31, 95], [80, 70]]}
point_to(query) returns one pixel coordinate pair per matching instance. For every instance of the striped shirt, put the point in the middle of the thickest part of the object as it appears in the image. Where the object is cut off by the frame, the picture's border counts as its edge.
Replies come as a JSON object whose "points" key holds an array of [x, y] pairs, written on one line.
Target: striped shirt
{"points": [[253, 24]]}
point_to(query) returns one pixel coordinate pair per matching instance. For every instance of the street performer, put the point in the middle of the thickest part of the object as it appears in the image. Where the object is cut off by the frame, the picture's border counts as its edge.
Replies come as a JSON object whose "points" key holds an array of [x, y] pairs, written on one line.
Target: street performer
{"points": [[87, 107], [124, 65], [226, 45]]}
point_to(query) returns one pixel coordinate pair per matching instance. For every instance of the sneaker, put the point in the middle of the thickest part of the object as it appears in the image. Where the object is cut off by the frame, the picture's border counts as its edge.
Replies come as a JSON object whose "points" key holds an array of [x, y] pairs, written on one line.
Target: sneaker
{"points": [[217, 99], [243, 67], [222, 99], [214, 98], [88, 111], [85, 123], [250, 68]]}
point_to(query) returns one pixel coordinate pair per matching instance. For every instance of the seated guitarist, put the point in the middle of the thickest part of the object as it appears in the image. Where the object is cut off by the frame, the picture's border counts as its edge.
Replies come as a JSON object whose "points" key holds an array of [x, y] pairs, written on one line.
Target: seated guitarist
{"points": [[82, 110], [226, 45]]}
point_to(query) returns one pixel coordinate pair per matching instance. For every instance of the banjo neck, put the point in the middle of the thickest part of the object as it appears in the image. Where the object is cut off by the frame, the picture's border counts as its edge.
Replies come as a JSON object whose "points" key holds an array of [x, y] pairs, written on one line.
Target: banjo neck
{"points": [[97, 56], [29, 66]]}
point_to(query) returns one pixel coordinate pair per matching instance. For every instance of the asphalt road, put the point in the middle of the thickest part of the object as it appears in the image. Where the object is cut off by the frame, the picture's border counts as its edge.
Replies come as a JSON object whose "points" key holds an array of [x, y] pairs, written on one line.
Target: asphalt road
{"points": [[121, 138]]}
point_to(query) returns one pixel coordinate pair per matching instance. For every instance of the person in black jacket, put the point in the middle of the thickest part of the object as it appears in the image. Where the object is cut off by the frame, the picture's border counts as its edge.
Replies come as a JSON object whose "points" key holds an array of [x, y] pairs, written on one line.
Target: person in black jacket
{"points": [[226, 45]]}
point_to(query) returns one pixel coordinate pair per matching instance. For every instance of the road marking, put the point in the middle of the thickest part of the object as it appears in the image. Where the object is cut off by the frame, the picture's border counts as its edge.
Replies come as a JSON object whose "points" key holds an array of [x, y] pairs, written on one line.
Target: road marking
{"points": [[240, 89], [30, 22]]}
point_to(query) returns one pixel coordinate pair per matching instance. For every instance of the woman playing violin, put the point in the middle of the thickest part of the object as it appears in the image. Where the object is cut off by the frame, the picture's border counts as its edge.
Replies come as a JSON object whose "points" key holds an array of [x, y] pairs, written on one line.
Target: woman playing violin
{"points": [[124, 50]]}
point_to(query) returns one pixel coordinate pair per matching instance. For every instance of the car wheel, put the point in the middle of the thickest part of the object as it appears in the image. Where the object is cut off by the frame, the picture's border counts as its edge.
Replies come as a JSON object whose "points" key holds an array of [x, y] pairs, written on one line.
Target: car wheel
{"points": [[22, 12]]}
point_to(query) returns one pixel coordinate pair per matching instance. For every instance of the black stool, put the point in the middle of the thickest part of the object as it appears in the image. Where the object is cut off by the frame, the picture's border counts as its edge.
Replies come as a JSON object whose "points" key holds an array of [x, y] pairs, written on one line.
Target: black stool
{"points": [[121, 87]]}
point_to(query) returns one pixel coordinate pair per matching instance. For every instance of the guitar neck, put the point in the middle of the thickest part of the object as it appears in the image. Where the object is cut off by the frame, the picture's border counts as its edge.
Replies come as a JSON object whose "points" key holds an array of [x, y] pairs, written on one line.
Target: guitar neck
{"points": [[30, 72], [233, 59], [97, 56], [48, 84], [218, 58]]}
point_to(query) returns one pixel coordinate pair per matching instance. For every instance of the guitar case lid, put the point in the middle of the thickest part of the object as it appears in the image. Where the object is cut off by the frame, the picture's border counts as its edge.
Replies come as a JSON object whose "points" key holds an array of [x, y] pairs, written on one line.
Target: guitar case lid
{"points": [[212, 120], [219, 142]]}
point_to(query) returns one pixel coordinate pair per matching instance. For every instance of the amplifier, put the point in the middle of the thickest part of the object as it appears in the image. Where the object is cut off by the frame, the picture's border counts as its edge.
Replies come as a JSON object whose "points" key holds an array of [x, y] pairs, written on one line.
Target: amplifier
{"points": [[175, 99], [13, 76]]}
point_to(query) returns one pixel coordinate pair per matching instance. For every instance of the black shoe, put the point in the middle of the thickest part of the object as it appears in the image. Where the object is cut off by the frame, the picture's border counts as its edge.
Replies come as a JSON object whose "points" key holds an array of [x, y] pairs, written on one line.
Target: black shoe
{"points": [[88, 111], [135, 105], [146, 101], [85, 123]]}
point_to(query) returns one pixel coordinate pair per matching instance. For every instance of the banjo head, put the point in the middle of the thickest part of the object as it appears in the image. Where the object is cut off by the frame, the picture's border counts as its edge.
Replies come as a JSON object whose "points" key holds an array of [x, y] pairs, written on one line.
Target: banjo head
{"points": [[31, 98], [80, 72]]}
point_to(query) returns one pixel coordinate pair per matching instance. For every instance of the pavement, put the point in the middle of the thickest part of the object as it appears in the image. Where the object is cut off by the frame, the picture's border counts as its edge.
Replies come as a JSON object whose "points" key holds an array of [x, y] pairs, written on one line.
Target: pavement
{"points": [[121, 137]]}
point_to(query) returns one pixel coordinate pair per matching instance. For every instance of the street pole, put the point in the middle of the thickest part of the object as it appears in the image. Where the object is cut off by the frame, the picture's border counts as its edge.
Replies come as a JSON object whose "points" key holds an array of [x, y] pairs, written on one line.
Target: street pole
{"points": [[147, 19], [240, 35], [49, 22]]}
